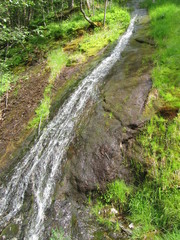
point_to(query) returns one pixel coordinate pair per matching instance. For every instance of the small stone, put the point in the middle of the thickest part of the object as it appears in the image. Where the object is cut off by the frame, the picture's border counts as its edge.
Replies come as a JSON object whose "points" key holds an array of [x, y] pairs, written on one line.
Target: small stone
{"points": [[114, 211], [131, 226]]}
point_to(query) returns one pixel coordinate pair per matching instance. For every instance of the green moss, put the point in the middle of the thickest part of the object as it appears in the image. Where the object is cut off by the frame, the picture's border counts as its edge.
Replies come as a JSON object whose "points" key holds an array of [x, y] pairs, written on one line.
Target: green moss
{"points": [[117, 21], [56, 61], [10, 231]]}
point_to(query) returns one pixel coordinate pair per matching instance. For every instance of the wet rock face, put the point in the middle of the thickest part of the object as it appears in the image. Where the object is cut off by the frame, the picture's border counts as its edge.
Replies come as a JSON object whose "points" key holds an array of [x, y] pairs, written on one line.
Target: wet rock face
{"points": [[103, 147], [98, 154], [104, 144]]}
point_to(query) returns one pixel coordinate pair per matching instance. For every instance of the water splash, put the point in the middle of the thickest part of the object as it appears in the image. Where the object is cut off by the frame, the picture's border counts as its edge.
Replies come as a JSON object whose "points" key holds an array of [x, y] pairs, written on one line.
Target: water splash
{"points": [[40, 166]]}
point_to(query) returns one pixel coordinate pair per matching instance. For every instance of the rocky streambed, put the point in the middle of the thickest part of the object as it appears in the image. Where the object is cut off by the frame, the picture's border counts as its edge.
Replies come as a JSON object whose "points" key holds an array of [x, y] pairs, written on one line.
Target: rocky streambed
{"points": [[102, 146]]}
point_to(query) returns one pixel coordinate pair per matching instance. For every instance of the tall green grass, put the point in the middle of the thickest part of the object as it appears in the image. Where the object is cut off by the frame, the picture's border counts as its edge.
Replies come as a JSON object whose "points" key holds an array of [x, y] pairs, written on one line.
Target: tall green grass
{"points": [[153, 205], [165, 29], [154, 208]]}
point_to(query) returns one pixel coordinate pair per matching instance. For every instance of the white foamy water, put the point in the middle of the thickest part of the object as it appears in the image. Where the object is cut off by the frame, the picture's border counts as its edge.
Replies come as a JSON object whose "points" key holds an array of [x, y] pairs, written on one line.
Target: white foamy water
{"points": [[43, 162]]}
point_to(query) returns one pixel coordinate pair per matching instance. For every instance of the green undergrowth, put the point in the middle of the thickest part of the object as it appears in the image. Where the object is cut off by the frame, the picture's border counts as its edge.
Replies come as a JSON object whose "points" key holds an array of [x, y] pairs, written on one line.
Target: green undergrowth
{"points": [[58, 234], [111, 204], [165, 29], [116, 23], [79, 49], [154, 207], [154, 201], [56, 60]]}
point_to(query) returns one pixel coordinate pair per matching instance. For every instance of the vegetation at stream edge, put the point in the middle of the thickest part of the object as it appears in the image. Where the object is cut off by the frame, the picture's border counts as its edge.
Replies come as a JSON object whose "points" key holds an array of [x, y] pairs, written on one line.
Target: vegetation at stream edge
{"points": [[153, 204]]}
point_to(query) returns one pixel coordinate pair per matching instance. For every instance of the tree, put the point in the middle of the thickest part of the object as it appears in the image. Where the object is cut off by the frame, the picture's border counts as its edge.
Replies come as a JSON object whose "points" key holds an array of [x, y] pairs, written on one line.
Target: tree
{"points": [[105, 8], [85, 16], [70, 4]]}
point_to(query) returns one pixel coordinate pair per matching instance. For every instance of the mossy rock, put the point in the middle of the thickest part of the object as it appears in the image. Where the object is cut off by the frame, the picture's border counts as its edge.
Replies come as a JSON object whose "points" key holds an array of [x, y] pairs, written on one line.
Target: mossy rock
{"points": [[73, 45], [10, 231]]}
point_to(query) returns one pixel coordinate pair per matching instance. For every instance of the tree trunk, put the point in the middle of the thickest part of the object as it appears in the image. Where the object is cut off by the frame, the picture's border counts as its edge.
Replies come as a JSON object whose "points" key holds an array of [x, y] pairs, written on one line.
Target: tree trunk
{"points": [[105, 8], [70, 4], [86, 17]]}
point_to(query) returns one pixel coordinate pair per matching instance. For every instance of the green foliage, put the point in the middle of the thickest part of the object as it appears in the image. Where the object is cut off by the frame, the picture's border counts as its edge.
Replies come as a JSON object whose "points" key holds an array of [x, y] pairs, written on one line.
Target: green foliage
{"points": [[165, 29], [42, 112], [154, 207], [117, 21], [114, 199], [5, 80], [156, 202], [58, 234], [117, 193], [68, 28]]}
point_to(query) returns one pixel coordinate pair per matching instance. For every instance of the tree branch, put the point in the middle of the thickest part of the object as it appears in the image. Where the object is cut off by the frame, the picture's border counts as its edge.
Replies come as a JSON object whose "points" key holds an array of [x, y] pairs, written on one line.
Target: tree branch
{"points": [[86, 17]]}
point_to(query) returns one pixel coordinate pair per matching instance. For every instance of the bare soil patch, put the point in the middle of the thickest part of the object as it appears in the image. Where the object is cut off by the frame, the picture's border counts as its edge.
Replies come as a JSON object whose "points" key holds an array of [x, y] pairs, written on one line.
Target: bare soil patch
{"points": [[23, 99]]}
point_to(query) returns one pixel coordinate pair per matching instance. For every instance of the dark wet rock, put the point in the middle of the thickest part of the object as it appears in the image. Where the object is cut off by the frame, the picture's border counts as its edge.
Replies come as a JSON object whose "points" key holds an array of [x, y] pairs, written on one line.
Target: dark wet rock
{"points": [[9, 232], [105, 146], [146, 41], [98, 154]]}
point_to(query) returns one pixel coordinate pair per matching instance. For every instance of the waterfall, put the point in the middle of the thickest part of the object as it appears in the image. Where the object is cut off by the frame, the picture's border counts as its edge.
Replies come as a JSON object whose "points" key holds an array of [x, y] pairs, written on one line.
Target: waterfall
{"points": [[42, 163]]}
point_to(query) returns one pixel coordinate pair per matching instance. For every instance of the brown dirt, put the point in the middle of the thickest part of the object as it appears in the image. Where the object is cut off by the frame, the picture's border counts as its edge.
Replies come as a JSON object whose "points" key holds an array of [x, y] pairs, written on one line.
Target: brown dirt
{"points": [[23, 99], [21, 106]]}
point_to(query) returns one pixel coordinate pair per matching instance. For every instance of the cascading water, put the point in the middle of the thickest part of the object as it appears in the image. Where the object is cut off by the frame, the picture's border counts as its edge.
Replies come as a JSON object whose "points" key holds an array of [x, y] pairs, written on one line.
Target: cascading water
{"points": [[40, 166]]}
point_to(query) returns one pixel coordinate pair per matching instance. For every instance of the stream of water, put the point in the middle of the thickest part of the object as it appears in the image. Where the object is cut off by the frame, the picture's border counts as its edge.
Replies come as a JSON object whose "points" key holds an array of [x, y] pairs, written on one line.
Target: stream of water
{"points": [[42, 163]]}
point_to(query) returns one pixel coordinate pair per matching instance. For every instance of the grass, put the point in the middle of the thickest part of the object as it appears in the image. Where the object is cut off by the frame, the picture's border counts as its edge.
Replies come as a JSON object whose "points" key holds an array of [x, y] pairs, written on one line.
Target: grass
{"points": [[153, 205], [117, 193], [111, 202], [165, 29], [157, 200], [154, 208]]}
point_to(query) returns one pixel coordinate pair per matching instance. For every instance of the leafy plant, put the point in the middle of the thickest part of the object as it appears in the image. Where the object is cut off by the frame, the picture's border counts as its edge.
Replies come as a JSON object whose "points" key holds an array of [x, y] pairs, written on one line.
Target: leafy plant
{"points": [[58, 234], [117, 193]]}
